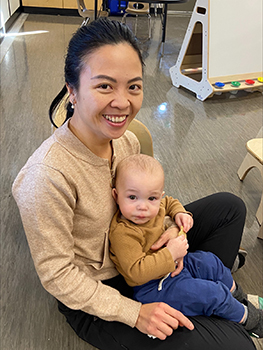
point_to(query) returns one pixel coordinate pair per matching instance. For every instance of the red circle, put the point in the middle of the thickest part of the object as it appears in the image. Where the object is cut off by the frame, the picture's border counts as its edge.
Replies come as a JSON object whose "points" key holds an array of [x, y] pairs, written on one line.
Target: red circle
{"points": [[250, 82]]}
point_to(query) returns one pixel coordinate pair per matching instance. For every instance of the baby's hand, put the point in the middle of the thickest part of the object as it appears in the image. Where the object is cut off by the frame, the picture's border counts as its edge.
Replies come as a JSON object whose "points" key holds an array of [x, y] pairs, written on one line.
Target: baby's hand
{"points": [[178, 247], [185, 220]]}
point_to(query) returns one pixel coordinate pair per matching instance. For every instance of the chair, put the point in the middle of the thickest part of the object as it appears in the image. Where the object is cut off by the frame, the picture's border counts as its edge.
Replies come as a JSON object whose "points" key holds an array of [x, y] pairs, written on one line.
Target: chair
{"points": [[84, 12], [87, 14], [138, 8], [254, 158], [143, 135], [137, 127]]}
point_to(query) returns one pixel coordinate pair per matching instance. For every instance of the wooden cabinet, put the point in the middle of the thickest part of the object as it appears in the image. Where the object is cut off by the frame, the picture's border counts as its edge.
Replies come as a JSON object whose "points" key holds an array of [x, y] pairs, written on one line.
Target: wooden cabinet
{"points": [[70, 4], [43, 3], [61, 4]]}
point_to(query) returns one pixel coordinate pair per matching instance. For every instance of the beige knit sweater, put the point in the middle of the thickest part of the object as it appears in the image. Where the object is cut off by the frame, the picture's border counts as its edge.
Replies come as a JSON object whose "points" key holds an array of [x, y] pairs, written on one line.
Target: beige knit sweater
{"points": [[64, 197]]}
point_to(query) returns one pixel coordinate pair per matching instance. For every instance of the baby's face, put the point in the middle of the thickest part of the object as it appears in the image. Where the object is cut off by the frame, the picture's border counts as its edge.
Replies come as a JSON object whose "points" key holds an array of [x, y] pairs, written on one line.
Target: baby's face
{"points": [[139, 196]]}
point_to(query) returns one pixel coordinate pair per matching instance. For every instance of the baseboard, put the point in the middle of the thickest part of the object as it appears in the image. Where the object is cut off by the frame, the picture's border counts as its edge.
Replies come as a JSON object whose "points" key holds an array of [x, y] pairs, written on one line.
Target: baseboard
{"points": [[50, 11]]}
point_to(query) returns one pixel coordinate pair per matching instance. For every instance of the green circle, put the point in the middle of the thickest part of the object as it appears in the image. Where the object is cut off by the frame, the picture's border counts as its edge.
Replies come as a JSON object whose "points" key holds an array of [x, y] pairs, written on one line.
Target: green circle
{"points": [[235, 83]]}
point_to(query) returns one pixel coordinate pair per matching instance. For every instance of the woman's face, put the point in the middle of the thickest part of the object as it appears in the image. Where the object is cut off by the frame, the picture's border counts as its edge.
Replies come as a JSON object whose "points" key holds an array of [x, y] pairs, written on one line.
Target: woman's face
{"points": [[110, 93]]}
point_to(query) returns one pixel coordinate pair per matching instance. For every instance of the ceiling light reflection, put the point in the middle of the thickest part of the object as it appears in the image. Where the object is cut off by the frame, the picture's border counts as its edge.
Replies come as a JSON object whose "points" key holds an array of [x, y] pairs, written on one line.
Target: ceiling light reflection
{"points": [[162, 107]]}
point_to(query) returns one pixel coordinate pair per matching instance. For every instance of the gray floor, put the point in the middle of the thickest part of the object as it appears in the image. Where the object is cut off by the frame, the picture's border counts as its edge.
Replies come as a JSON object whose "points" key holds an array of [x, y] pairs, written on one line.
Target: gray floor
{"points": [[200, 144]]}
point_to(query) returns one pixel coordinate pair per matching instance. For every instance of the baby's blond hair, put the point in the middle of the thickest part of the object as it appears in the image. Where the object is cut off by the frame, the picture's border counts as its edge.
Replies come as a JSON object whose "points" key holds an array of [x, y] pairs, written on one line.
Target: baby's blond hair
{"points": [[138, 162]]}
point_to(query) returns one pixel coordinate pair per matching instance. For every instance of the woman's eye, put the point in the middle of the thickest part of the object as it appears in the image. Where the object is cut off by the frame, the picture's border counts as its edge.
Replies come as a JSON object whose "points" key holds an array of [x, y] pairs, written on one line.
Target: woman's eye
{"points": [[104, 87], [152, 198], [135, 88], [132, 197]]}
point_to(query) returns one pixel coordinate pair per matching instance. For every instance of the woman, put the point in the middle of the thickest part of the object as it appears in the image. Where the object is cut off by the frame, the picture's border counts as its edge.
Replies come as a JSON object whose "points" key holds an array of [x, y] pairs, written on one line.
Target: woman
{"points": [[64, 196]]}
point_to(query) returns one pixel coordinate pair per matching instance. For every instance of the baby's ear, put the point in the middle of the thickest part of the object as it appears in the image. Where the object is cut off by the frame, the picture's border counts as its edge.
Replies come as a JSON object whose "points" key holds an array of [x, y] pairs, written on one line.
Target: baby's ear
{"points": [[163, 193], [115, 194]]}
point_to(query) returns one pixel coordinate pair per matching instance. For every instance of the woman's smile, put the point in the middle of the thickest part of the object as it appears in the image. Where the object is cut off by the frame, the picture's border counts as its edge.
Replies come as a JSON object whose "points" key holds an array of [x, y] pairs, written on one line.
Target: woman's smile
{"points": [[115, 119]]}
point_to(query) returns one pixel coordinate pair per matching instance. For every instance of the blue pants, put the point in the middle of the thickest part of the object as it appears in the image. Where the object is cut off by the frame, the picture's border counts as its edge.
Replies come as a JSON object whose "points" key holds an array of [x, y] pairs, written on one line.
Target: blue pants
{"points": [[202, 288]]}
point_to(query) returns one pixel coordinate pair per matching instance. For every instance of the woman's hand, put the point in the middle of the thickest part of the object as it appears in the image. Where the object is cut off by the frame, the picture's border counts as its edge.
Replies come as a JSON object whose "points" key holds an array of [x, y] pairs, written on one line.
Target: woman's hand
{"points": [[179, 267], [185, 220], [159, 320], [170, 233]]}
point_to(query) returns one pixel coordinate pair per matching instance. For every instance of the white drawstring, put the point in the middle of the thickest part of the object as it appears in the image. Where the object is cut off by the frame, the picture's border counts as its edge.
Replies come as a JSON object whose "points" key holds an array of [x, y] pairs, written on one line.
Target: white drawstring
{"points": [[160, 285]]}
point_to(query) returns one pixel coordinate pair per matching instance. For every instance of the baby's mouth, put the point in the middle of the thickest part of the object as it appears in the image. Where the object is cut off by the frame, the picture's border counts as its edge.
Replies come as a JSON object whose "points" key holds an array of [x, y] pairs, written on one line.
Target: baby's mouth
{"points": [[140, 217], [115, 119]]}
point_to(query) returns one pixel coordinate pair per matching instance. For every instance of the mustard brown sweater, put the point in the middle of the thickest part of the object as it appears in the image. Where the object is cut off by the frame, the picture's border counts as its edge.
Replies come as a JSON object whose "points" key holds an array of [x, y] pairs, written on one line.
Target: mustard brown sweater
{"points": [[64, 196], [130, 245]]}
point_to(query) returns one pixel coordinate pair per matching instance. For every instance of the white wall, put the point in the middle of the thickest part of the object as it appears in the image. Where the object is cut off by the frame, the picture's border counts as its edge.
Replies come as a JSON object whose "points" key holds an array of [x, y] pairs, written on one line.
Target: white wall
{"points": [[7, 8], [14, 4]]}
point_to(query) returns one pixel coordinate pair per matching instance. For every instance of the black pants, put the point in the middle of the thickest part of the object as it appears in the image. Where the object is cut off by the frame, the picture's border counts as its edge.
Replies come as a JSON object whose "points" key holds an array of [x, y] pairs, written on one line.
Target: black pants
{"points": [[218, 226]]}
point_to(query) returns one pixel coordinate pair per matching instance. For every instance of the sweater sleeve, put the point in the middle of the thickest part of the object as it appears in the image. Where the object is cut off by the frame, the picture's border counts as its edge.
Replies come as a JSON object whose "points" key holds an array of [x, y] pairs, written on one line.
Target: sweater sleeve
{"points": [[173, 206], [48, 225], [137, 267]]}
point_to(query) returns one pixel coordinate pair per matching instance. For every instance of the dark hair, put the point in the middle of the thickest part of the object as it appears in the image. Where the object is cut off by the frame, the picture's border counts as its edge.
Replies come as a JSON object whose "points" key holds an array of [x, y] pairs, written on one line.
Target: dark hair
{"points": [[100, 32]]}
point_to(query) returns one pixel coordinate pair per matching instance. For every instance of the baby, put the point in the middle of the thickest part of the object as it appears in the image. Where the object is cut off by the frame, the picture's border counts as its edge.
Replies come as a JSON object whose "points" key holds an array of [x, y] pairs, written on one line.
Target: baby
{"points": [[195, 283]]}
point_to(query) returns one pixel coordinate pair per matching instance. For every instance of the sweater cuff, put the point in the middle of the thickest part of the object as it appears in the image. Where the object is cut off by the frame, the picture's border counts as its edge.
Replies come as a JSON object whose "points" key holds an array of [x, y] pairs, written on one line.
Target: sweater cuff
{"points": [[184, 212], [128, 311]]}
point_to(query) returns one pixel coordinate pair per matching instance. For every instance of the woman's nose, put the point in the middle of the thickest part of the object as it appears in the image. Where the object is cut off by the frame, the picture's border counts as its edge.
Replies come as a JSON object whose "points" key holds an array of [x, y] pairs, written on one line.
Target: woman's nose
{"points": [[120, 100]]}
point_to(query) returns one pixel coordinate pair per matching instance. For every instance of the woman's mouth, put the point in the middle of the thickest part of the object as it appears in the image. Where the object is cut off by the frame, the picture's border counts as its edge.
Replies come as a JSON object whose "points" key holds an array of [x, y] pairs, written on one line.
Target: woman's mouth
{"points": [[115, 119]]}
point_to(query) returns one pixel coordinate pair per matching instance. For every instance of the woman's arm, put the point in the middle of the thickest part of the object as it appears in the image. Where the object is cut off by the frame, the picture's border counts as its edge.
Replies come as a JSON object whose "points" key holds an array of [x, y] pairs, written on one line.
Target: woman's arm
{"points": [[47, 204]]}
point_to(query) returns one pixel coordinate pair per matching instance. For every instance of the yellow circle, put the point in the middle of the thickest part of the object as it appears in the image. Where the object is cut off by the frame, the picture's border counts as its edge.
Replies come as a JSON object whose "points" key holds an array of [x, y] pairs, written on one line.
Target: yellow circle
{"points": [[260, 79]]}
